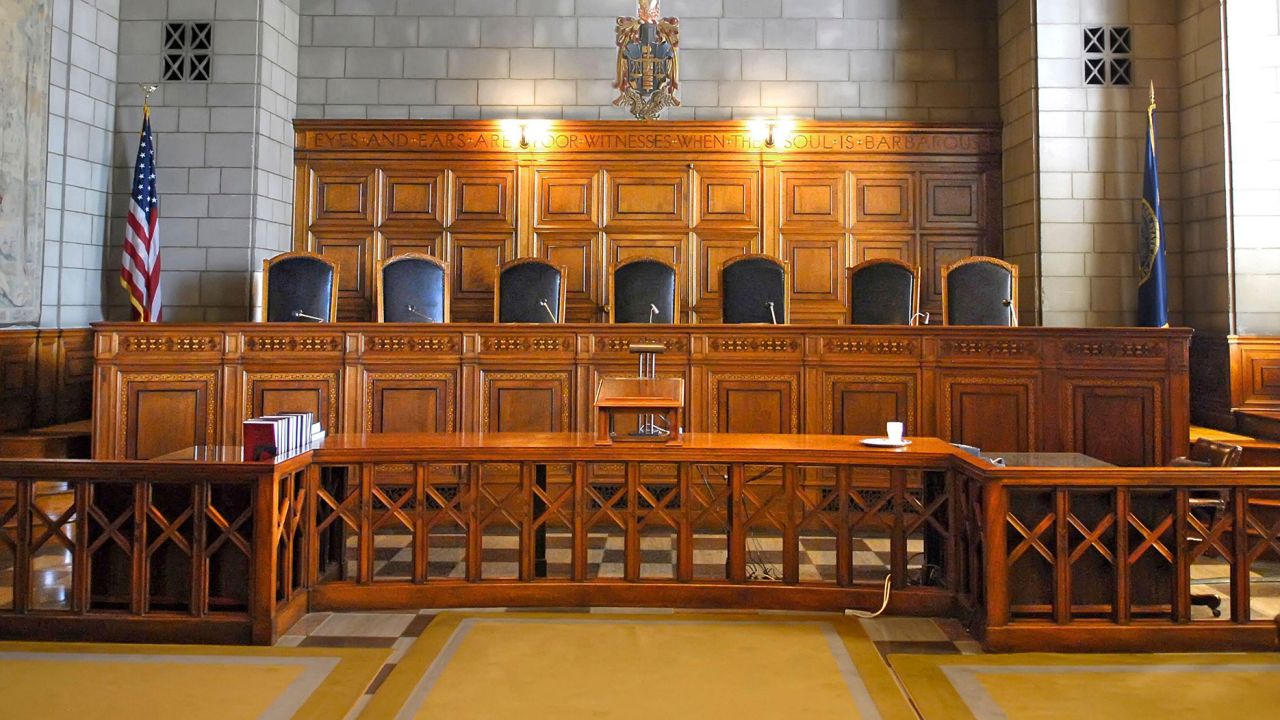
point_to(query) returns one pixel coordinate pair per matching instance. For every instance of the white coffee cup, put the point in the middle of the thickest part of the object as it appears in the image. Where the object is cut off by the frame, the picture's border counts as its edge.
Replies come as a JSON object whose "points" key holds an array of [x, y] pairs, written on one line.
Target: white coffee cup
{"points": [[893, 430]]}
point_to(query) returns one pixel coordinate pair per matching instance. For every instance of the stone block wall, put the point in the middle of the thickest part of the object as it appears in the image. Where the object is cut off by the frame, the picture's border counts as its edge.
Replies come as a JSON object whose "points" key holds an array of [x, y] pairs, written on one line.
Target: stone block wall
{"points": [[1206, 295], [1091, 160], [221, 147], [829, 59], [1020, 173], [82, 90]]}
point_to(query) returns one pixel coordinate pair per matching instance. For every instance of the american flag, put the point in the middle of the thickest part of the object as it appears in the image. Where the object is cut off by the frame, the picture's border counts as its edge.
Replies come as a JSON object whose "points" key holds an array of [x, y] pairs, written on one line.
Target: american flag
{"points": [[140, 268]]}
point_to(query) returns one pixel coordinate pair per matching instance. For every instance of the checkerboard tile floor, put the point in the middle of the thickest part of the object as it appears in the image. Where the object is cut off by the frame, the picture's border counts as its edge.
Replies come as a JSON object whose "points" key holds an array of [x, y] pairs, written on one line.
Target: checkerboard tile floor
{"points": [[446, 555]]}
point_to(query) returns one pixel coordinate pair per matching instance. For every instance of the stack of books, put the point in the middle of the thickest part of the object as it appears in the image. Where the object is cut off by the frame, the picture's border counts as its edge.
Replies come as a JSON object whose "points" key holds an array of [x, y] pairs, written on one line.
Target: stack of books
{"points": [[279, 436]]}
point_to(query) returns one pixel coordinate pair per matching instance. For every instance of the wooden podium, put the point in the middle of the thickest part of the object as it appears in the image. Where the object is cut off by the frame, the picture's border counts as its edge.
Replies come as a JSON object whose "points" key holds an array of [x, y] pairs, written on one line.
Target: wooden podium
{"points": [[660, 402]]}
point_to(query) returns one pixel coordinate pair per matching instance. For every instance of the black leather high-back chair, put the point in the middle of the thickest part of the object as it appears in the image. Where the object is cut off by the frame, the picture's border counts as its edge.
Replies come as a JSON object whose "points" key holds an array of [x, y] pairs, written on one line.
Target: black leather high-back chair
{"points": [[753, 289], [529, 290], [883, 291], [413, 288], [980, 291], [300, 287], [644, 291]]}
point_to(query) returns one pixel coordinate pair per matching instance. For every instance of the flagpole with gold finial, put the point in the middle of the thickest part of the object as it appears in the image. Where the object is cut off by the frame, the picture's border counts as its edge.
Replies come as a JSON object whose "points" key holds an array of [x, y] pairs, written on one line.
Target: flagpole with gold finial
{"points": [[147, 90]]}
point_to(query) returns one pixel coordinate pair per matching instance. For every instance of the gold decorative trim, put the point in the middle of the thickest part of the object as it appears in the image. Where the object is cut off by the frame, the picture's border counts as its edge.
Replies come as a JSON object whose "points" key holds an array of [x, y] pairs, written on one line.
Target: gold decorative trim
{"points": [[167, 343], [623, 344], [828, 419], [524, 344], [750, 344], [293, 343], [372, 378], [252, 378], [792, 381], [1030, 384], [564, 379], [210, 380], [412, 344], [1067, 398], [851, 346], [1114, 349], [1003, 348]]}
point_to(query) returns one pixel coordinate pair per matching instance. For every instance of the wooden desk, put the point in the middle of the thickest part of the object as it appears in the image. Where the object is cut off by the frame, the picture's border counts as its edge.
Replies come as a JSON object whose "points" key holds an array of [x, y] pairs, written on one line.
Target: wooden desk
{"points": [[1116, 394], [1077, 558]]}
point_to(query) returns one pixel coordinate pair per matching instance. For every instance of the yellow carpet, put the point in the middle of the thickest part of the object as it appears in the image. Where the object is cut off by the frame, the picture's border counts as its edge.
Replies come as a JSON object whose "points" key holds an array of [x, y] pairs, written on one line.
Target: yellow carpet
{"points": [[48, 681], [1099, 687], [552, 666]]}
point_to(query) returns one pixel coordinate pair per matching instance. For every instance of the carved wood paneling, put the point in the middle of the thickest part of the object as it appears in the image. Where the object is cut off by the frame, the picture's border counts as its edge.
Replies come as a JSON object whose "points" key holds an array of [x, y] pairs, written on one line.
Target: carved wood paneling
{"points": [[160, 412], [1001, 388], [697, 193], [515, 401], [410, 401]]}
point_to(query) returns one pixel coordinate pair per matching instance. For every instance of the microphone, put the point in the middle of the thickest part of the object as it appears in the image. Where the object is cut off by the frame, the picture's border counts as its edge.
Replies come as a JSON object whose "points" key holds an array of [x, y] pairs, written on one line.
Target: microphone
{"points": [[653, 311], [545, 306], [299, 315], [772, 313], [414, 310], [920, 316]]}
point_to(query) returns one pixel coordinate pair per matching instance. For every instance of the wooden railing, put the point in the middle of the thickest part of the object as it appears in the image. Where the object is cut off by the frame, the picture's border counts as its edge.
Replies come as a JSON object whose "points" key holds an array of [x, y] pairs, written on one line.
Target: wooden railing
{"points": [[138, 551], [1129, 559], [1031, 558], [675, 533]]}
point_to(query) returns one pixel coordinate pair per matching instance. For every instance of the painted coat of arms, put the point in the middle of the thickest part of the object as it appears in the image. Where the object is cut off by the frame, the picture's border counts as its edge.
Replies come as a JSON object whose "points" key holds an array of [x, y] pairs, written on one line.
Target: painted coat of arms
{"points": [[648, 69]]}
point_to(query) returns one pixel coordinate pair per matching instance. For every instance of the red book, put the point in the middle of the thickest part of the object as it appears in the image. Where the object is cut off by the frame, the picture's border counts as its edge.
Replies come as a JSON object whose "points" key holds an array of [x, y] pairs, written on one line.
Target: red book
{"points": [[260, 440]]}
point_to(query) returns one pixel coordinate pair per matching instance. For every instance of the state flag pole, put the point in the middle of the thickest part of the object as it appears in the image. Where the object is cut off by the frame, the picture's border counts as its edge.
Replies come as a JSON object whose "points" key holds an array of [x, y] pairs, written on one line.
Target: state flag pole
{"points": [[1153, 288]]}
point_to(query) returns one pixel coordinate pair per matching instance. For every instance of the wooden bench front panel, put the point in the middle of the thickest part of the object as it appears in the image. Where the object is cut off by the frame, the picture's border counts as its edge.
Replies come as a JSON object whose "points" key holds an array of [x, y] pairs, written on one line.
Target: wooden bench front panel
{"points": [[1117, 394]]}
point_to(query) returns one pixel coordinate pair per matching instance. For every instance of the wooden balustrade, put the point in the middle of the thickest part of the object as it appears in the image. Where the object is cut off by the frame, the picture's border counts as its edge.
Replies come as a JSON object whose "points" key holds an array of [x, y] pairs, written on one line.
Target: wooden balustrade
{"points": [[161, 552], [1030, 557], [1109, 558]]}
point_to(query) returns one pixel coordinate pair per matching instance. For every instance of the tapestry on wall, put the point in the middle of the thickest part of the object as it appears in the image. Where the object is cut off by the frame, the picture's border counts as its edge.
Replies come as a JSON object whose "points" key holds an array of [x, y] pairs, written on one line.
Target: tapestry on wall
{"points": [[24, 120]]}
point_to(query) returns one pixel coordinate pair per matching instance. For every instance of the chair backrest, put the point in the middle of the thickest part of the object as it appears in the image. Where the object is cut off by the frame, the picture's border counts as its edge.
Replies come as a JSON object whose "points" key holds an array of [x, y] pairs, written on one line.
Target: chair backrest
{"points": [[530, 290], [753, 289], [297, 285], [980, 291], [1210, 453], [883, 291], [413, 288], [641, 285]]}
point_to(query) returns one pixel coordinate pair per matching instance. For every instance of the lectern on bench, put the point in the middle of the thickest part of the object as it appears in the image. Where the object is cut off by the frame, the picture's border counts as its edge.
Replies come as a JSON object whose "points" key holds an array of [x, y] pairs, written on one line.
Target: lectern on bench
{"points": [[659, 402]]}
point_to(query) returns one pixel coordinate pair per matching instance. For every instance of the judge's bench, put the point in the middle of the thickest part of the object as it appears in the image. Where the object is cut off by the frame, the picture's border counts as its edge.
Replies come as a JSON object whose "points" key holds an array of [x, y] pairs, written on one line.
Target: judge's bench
{"points": [[461, 468]]}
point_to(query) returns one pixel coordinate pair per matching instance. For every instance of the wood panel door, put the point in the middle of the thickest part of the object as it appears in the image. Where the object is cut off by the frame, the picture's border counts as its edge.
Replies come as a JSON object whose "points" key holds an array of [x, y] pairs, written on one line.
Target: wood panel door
{"points": [[1102, 418], [566, 198], [353, 252], [861, 403], [163, 412], [343, 195], [582, 256], [753, 402], [522, 401], [728, 197], [271, 393], [647, 198], [710, 251], [409, 400], [996, 413], [474, 259], [483, 198], [885, 200], [953, 201], [813, 199]]}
